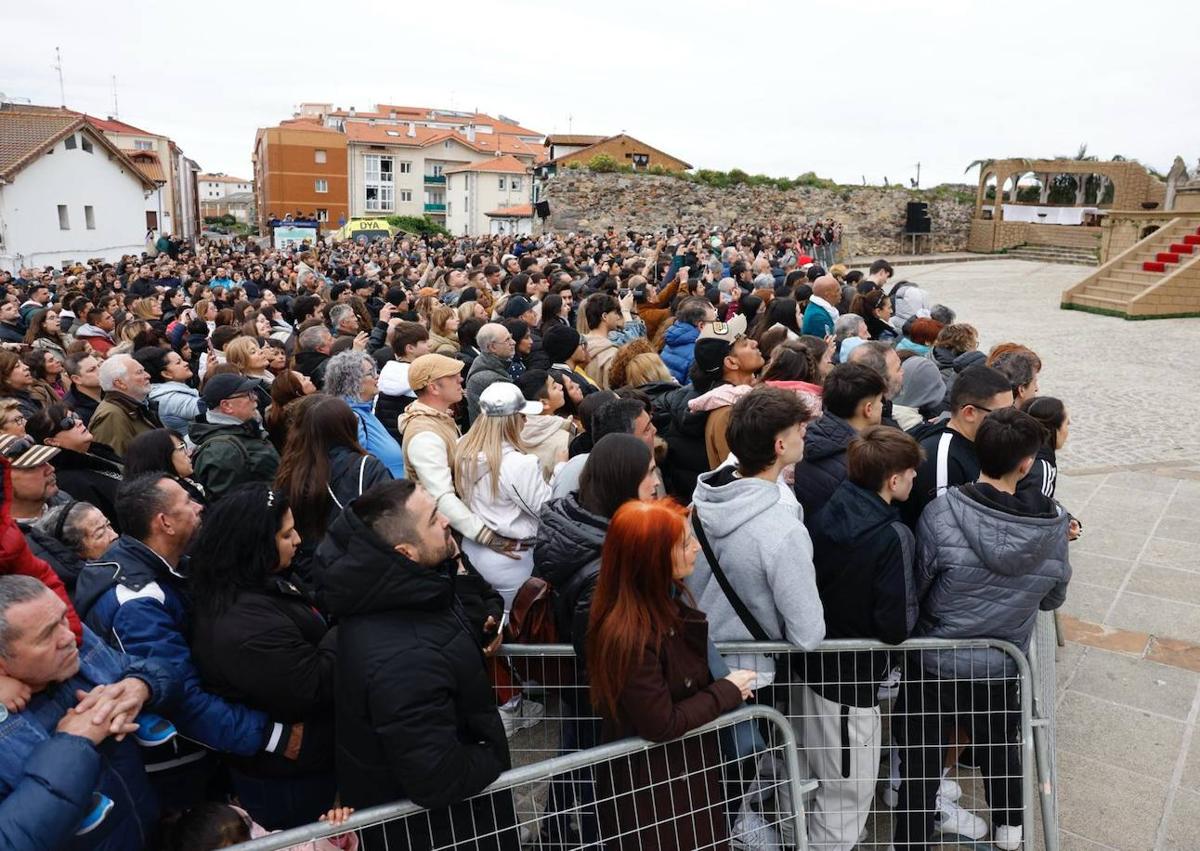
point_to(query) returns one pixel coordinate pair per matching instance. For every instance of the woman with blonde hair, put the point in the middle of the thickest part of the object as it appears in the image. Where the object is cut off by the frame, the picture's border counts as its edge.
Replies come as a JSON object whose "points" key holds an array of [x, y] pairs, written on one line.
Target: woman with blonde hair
{"points": [[501, 482], [648, 368], [148, 308], [472, 310], [249, 357], [12, 418], [443, 331]]}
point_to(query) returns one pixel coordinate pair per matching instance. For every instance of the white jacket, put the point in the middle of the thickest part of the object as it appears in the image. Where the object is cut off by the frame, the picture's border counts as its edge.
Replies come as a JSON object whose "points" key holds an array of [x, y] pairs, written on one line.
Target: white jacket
{"points": [[513, 512], [427, 457]]}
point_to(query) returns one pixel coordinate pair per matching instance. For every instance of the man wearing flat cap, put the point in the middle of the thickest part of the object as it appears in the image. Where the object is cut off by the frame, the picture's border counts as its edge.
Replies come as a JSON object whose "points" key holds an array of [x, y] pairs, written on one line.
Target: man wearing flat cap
{"points": [[231, 447]]}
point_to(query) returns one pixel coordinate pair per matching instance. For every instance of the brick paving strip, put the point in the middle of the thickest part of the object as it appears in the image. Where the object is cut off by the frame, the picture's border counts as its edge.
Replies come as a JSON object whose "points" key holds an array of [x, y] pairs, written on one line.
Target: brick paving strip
{"points": [[1166, 651]]}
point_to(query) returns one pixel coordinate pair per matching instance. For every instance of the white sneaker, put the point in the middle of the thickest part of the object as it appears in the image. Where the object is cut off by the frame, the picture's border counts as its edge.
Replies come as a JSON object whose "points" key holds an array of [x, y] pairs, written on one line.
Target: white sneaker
{"points": [[953, 819], [1008, 837], [520, 714], [949, 790], [752, 833], [890, 687]]}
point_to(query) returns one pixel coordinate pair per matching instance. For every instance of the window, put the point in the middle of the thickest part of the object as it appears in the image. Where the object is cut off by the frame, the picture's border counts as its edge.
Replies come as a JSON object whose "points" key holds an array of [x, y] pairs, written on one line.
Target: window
{"points": [[143, 145], [379, 182], [405, 167], [502, 184], [448, 208], [318, 186], [515, 184], [151, 220], [406, 195], [64, 220], [85, 143], [322, 215], [318, 156], [89, 217], [69, 143], [438, 169]]}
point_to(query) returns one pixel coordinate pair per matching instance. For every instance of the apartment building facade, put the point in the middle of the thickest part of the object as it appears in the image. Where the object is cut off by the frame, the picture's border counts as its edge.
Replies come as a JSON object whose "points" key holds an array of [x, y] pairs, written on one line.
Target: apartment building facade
{"points": [[475, 190], [300, 169]]}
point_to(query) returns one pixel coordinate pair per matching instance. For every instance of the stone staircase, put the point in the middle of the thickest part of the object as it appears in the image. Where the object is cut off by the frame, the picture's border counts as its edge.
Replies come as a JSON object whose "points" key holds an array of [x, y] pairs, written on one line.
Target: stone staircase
{"points": [[1053, 254], [1158, 276]]}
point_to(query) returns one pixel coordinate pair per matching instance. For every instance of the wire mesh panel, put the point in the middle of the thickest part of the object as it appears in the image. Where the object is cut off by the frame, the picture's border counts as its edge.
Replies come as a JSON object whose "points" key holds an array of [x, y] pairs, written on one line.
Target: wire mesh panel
{"points": [[1043, 667], [732, 783]]}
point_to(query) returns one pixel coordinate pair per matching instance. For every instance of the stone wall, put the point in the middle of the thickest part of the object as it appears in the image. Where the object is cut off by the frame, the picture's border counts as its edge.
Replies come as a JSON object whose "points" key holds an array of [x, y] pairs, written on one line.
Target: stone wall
{"points": [[873, 217]]}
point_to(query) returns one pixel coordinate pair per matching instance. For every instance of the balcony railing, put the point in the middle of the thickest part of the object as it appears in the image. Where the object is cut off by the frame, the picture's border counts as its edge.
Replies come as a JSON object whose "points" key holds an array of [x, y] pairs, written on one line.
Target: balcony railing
{"points": [[435, 178], [435, 208]]}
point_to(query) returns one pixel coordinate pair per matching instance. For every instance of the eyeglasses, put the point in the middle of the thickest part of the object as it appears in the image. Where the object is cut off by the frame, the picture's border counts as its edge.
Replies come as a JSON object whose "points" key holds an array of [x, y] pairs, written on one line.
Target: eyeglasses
{"points": [[67, 423], [980, 407], [181, 447]]}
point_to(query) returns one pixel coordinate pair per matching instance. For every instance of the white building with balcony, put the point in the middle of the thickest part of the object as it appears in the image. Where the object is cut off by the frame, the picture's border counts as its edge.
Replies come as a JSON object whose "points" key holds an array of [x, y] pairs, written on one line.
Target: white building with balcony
{"points": [[494, 186]]}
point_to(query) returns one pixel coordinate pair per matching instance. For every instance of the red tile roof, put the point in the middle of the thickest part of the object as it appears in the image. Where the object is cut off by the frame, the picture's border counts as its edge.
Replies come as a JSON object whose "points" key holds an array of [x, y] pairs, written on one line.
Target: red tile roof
{"points": [[112, 125], [423, 137], [27, 132], [501, 165], [521, 211], [572, 139], [424, 113], [147, 163]]}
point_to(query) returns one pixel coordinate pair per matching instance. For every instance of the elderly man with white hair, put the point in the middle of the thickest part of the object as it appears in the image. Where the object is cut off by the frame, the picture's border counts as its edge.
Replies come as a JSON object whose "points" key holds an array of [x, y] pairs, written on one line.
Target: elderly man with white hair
{"points": [[496, 349], [124, 412]]}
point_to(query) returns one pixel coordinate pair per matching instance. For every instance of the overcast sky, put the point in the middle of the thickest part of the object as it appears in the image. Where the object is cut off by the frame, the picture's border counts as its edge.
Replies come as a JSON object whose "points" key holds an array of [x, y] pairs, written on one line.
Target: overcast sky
{"points": [[850, 89]]}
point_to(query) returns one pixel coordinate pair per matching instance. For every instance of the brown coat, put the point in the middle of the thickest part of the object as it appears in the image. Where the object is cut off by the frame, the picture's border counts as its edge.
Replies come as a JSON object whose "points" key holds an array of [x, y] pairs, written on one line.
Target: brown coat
{"points": [[119, 419], [655, 311], [668, 692]]}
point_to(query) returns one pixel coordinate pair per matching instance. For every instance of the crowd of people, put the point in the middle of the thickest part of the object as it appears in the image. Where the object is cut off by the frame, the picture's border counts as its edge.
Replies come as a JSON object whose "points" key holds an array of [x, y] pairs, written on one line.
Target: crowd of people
{"points": [[269, 515]]}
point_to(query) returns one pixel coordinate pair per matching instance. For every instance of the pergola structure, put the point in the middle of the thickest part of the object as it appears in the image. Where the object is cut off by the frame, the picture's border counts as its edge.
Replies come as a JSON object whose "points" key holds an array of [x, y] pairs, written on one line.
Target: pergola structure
{"points": [[1005, 221]]}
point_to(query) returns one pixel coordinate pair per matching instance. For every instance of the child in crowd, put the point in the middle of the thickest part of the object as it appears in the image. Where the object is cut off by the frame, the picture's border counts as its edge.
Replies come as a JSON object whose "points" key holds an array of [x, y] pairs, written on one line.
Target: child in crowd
{"points": [[863, 555], [215, 825]]}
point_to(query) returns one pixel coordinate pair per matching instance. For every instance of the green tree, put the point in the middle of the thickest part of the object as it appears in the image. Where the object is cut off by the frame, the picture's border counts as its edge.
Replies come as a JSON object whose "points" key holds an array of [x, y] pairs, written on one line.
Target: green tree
{"points": [[602, 163]]}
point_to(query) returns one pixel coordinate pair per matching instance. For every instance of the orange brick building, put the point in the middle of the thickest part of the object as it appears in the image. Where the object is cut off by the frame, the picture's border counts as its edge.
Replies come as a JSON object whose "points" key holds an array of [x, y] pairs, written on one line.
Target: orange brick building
{"points": [[622, 147], [300, 169]]}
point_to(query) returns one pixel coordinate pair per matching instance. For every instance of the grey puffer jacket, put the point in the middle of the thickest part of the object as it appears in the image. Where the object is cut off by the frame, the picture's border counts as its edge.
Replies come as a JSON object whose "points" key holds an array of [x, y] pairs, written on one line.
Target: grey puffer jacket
{"points": [[985, 571]]}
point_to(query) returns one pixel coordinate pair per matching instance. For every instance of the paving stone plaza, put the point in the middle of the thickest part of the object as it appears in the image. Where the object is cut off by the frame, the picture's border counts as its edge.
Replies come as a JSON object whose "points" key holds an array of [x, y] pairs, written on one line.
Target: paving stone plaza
{"points": [[1129, 674]]}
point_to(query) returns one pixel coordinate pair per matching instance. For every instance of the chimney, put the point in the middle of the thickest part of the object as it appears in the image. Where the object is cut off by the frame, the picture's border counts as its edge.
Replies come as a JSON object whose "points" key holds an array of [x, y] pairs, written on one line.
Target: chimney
{"points": [[471, 133], [412, 130], [351, 112], [392, 114]]}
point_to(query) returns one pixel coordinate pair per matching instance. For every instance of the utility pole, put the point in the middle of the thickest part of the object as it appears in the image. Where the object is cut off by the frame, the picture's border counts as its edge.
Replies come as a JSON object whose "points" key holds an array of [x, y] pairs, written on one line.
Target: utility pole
{"points": [[116, 111], [918, 183], [62, 91]]}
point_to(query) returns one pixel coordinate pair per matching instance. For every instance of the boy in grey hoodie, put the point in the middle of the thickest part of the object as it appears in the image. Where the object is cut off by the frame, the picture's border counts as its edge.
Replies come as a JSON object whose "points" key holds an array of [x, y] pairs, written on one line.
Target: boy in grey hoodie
{"points": [[755, 529]]}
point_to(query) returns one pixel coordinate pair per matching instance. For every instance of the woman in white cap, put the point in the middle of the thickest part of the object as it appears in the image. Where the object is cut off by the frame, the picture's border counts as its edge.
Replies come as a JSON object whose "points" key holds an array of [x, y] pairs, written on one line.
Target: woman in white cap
{"points": [[502, 483]]}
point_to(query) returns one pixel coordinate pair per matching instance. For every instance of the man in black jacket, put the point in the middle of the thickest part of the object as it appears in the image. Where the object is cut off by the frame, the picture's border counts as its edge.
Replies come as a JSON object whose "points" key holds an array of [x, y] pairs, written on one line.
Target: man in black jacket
{"points": [[416, 715], [950, 457], [852, 398], [863, 556]]}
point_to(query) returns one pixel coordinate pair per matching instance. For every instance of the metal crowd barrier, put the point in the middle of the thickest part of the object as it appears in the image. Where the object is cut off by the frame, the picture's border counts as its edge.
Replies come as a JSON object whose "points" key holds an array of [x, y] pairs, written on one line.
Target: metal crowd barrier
{"points": [[693, 792], [974, 735]]}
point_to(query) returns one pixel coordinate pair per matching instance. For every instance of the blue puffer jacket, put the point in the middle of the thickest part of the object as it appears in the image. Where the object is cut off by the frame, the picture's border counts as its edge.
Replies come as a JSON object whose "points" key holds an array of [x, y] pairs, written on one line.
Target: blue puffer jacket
{"points": [[47, 778], [374, 437], [133, 600], [178, 405], [679, 349], [986, 564]]}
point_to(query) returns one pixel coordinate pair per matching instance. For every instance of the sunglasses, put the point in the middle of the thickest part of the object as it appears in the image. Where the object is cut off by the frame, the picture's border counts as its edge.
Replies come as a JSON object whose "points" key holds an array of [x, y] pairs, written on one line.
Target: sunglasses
{"points": [[68, 422]]}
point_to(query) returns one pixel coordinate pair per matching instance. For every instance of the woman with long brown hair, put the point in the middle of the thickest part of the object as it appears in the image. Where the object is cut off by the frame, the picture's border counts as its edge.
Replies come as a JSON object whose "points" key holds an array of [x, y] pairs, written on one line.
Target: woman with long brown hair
{"points": [[289, 386], [647, 657], [323, 466]]}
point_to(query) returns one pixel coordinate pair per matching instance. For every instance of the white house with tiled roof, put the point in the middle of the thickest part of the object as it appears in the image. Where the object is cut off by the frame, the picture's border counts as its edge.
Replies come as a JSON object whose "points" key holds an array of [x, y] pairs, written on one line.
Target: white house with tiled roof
{"points": [[67, 193], [473, 191]]}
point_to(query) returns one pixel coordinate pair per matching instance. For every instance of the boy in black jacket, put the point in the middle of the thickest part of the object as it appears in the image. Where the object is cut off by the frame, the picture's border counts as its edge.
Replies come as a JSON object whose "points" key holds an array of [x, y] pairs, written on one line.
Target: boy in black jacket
{"points": [[950, 457], [864, 561]]}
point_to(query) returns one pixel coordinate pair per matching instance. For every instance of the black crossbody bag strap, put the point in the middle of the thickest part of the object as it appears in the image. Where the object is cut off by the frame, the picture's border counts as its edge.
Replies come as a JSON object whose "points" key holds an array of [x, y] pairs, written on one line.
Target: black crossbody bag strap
{"points": [[748, 620]]}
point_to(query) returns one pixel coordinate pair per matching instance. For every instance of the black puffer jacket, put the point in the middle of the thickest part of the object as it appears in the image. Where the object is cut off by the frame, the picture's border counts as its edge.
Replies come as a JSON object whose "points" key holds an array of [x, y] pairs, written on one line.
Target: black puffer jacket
{"points": [[62, 560], [864, 560], [313, 365], [687, 455], [91, 477], [270, 650], [567, 555], [824, 464], [416, 714]]}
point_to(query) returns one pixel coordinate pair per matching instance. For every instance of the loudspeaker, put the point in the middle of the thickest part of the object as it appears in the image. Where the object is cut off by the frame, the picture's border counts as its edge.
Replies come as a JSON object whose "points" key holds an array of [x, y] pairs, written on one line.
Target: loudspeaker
{"points": [[916, 217], [543, 209]]}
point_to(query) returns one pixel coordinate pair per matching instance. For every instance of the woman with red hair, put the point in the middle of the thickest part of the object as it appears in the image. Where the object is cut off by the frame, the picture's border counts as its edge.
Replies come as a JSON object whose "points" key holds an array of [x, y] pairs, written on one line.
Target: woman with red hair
{"points": [[647, 656]]}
